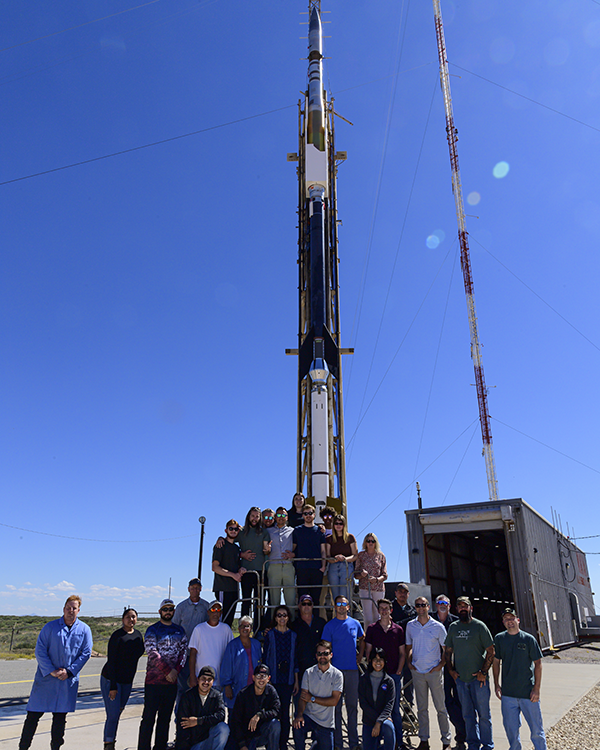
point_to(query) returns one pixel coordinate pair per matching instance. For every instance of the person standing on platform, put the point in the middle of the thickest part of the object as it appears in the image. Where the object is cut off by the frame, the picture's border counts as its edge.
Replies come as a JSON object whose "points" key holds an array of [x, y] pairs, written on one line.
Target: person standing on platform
{"points": [[125, 647], [425, 645], [208, 643], [295, 517], [255, 544], [402, 613], [389, 636], [470, 646], [371, 571], [282, 573], [342, 552], [320, 694], [228, 570], [189, 613], [309, 542], [166, 646], [201, 716], [62, 648], [345, 635], [520, 656], [268, 518], [443, 615]]}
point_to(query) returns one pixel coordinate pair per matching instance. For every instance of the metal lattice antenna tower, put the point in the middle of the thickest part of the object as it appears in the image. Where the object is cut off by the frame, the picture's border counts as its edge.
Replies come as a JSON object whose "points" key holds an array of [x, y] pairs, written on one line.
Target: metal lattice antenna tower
{"points": [[465, 259]]}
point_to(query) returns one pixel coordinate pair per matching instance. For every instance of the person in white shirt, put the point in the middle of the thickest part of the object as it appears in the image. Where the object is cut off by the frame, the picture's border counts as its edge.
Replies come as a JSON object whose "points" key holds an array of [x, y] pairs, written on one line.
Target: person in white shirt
{"points": [[208, 643], [425, 639]]}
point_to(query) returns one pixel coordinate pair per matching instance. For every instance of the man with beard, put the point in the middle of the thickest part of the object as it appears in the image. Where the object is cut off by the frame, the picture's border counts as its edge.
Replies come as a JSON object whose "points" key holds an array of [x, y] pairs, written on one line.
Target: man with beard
{"points": [[166, 646], [402, 613], [322, 687], [254, 720], [228, 569], [201, 716], [469, 652], [61, 650], [443, 615], [208, 643], [309, 549], [255, 544], [282, 573]]}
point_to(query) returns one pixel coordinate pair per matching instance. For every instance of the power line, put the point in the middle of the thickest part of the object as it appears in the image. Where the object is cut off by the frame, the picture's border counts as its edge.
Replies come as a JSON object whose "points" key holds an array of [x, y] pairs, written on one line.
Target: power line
{"points": [[79, 26], [104, 541], [147, 145], [577, 461], [554, 310], [528, 98]]}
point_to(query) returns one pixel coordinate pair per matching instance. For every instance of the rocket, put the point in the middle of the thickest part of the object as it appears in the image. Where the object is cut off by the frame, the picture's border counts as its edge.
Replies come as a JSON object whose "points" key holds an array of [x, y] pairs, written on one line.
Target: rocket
{"points": [[318, 354], [318, 347]]}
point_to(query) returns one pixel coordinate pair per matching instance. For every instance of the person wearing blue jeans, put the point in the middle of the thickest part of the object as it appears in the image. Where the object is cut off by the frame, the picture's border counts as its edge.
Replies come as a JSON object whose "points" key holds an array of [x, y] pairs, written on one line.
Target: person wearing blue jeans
{"points": [[520, 656], [341, 551], [469, 652], [201, 716], [376, 693], [322, 687], [254, 720]]}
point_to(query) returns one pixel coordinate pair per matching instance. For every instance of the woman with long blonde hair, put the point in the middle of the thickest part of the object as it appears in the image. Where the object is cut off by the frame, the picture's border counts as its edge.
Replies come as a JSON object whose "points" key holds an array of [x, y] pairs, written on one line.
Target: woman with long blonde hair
{"points": [[371, 572], [341, 551]]}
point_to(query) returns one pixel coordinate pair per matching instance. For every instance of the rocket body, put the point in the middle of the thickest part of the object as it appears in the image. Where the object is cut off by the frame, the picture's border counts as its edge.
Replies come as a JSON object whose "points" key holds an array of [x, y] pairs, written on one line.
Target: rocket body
{"points": [[316, 121]]}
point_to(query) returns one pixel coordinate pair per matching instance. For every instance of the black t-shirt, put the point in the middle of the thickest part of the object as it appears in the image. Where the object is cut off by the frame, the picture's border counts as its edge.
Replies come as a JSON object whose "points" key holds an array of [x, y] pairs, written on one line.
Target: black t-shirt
{"points": [[228, 557], [124, 651]]}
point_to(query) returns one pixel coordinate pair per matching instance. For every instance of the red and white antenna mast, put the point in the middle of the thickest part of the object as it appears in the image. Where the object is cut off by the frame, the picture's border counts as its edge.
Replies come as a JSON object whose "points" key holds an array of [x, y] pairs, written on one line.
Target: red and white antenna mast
{"points": [[465, 259]]}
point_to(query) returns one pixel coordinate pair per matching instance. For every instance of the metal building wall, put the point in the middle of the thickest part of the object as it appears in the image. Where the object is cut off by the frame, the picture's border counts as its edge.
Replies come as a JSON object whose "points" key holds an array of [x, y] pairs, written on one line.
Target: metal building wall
{"points": [[548, 573]]}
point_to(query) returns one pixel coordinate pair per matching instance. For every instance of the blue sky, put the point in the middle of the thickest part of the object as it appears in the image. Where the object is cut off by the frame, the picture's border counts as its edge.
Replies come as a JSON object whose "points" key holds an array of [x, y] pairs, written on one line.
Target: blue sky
{"points": [[147, 299]]}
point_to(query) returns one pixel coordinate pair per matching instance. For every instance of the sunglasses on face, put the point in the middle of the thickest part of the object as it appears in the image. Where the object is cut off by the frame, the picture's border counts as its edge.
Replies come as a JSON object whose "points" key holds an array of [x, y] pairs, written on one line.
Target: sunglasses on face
{"points": [[341, 604], [445, 604], [370, 541], [268, 518], [306, 604], [233, 528], [338, 523], [261, 676], [168, 609], [308, 513], [281, 515], [323, 653], [215, 609], [281, 614], [421, 605]]}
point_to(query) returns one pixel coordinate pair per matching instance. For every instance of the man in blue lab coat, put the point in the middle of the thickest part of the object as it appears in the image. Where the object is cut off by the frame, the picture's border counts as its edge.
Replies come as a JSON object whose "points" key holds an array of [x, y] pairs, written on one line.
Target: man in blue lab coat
{"points": [[62, 648]]}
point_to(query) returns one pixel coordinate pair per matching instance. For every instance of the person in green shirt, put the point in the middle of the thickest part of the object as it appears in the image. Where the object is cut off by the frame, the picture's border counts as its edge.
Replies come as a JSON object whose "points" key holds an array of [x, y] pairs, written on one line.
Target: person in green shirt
{"points": [[519, 688], [469, 652], [255, 543]]}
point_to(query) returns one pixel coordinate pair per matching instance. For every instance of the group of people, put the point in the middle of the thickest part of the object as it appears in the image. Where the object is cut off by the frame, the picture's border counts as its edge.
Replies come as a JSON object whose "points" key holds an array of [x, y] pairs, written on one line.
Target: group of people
{"points": [[289, 550], [240, 692]]}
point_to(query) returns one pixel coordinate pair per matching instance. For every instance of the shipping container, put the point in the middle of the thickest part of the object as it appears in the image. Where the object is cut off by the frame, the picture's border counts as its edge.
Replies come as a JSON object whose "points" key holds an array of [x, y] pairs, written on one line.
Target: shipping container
{"points": [[504, 554]]}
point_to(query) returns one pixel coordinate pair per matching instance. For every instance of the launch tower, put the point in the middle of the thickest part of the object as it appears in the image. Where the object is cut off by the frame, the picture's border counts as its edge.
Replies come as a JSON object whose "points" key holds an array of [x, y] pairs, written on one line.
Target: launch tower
{"points": [[320, 471]]}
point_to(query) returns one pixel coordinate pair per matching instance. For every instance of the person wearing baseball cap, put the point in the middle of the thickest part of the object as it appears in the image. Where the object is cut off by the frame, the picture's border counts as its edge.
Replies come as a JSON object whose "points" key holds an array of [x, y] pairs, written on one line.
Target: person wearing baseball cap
{"points": [[469, 650], [254, 721], [201, 716], [309, 631], [520, 656], [166, 646]]}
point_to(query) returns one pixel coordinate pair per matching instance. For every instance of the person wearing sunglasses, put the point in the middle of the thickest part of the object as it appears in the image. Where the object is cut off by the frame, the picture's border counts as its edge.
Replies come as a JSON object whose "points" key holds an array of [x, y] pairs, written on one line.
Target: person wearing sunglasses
{"points": [[281, 568], [342, 553], [309, 549], [228, 570], [425, 638], [322, 687], [346, 636], [308, 627], [166, 647], [371, 571], [279, 654], [443, 615], [208, 643]]}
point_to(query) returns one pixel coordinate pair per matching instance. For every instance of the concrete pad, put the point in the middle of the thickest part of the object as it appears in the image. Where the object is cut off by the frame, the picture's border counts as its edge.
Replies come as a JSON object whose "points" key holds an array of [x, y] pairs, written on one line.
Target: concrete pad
{"points": [[563, 685]]}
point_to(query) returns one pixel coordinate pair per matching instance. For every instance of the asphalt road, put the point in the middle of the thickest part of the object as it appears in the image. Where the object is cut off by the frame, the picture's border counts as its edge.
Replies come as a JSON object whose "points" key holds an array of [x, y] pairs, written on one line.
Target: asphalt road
{"points": [[16, 677]]}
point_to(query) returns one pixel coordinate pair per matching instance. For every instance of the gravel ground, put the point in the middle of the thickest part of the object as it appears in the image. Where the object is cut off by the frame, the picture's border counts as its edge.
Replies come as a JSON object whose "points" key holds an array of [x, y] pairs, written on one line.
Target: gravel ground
{"points": [[580, 728]]}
